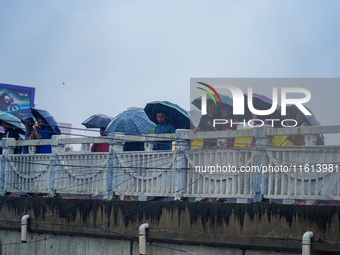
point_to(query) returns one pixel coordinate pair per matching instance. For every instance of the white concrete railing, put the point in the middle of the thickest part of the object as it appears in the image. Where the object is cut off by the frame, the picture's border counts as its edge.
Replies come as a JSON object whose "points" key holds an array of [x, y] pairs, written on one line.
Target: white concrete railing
{"points": [[174, 173]]}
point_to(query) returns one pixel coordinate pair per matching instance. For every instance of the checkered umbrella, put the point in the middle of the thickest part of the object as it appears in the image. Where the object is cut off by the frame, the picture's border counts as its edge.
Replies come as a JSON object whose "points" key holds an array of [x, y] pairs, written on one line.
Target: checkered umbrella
{"points": [[134, 121]]}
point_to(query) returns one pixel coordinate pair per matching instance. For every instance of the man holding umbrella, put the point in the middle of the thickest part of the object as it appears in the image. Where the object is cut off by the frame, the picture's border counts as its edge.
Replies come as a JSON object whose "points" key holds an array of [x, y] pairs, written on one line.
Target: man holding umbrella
{"points": [[169, 117], [163, 127], [101, 147], [47, 126], [43, 131], [98, 121]]}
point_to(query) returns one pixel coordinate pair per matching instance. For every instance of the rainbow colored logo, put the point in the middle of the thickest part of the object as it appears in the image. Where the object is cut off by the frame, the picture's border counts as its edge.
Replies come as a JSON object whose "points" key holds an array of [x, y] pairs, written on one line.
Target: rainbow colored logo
{"points": [[209, 93]]}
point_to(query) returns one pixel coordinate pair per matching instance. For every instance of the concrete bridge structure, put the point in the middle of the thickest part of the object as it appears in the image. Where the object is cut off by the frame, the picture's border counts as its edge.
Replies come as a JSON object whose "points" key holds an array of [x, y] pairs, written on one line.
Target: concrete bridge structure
{"points": [[261, 174]]}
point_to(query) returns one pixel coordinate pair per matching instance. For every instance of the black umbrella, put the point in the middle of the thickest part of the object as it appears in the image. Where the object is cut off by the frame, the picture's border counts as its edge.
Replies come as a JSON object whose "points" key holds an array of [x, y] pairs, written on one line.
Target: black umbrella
{"points": [[97, 121], [42, 114]]}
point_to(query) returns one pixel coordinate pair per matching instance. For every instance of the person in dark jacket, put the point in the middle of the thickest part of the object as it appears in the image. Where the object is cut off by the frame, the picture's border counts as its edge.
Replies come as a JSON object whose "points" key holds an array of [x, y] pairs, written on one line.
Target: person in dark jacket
{"points": [[163, 127], [29, 134], [206, 124], [12, 132]]}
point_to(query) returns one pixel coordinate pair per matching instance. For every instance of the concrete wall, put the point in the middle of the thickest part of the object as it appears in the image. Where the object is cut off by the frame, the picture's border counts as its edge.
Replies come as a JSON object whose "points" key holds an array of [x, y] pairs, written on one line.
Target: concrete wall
{"points": [[59, 226], [57, 244]]}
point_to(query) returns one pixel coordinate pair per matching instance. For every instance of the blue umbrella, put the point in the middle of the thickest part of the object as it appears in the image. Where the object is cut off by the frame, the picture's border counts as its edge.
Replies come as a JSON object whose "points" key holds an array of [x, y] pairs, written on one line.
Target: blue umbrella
{"points": [[177, 116], [42, 114], [134, 121], [97, 121]]}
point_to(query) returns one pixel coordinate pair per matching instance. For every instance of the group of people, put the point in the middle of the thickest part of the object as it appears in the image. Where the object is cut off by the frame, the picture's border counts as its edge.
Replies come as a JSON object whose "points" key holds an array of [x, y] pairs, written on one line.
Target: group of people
{"points": [[206, 124], [225, 113], [38, 129], [163, 127]]}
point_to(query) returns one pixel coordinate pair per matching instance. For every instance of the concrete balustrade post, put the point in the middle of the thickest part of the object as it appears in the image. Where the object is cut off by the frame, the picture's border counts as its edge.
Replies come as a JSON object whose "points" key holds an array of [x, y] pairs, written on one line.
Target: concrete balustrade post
{"points": [[310, 140], [116, 145], [181, 163], [56, 148], [260, 159], [6, 150]]}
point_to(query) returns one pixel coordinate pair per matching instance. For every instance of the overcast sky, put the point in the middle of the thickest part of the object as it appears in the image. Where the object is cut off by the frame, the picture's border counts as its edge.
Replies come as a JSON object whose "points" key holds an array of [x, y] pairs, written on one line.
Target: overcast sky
{"points": [[112, 55]]}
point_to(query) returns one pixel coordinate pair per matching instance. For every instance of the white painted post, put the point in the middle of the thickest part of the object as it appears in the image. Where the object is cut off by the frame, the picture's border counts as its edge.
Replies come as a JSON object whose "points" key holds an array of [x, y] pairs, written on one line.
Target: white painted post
{"points": [[85, 147], [113, 164], [181, 164], [56, 148], [6, 150], [260, 158], [310, 140], [148, 146]]}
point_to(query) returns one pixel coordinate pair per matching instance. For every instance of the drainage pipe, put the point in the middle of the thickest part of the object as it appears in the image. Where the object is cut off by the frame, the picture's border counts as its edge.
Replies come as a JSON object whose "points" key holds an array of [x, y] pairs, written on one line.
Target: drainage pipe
{"points": [[142, 238], [24, 221], [306, 242]]}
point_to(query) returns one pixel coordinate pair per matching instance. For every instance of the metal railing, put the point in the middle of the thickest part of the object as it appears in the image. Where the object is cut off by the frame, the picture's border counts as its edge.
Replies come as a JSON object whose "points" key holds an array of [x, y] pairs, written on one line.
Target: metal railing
{"points": [[243, 171]]}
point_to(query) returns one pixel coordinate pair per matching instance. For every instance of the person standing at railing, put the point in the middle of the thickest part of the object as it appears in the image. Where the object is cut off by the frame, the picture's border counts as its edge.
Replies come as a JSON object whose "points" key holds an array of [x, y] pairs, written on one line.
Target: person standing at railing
{"points": [[299, 140], [12, 132], [43, 131], [226, 114], [29, 134], [163, 127], [206, 124], [101, 147]]}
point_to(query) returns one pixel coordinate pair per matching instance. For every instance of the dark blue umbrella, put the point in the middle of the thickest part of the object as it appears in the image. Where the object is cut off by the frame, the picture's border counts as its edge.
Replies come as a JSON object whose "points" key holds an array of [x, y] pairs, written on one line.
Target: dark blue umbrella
{"points": [[134, 121], [177, 116], [97, 121], [42, 114]]}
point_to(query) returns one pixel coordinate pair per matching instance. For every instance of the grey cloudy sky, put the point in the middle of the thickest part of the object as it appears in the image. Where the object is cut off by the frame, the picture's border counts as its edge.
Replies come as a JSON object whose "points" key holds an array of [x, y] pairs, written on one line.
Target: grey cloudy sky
{"points": [[112, 55]]}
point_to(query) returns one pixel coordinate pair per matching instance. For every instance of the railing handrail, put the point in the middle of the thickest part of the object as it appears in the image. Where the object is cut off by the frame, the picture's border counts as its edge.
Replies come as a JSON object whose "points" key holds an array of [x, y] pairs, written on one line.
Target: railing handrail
{"points": [[174, 173], [189, 135]]}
